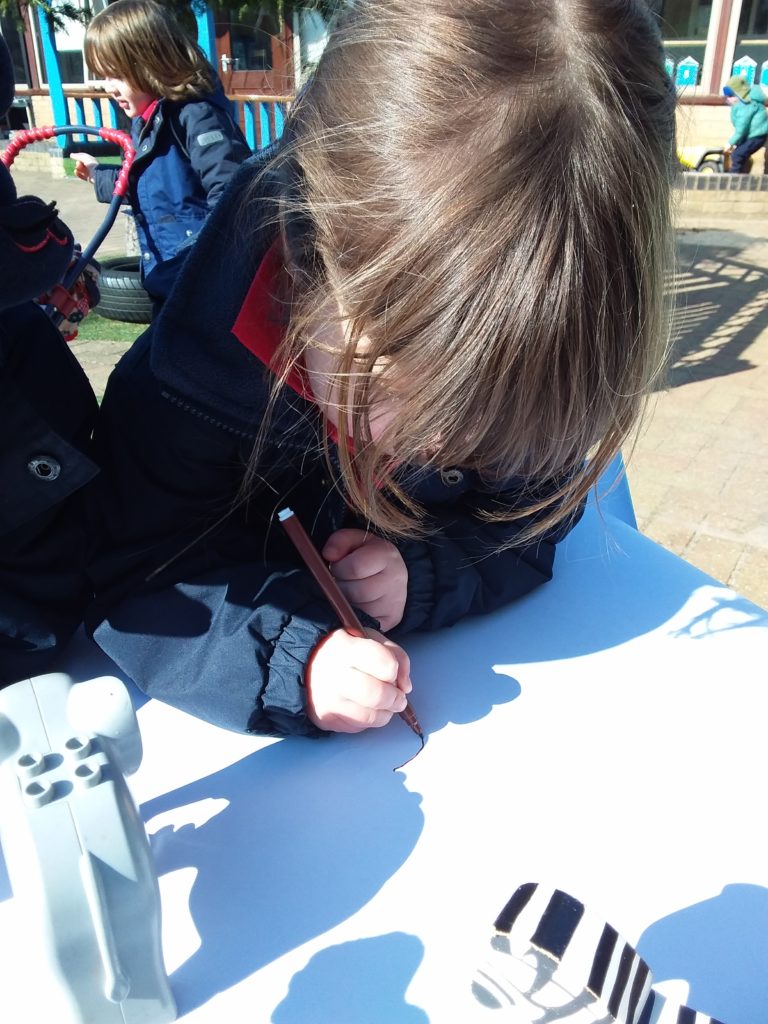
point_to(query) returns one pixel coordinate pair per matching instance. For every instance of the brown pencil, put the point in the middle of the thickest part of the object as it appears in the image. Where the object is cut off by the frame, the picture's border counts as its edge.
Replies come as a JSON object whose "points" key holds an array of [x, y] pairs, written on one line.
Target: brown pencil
{"points": [[346, 613]]}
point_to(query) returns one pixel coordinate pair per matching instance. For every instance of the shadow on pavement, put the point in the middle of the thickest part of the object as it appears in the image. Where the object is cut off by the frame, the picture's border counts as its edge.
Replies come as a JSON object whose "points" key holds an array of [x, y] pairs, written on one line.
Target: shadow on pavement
{"points": [[721, 308]]}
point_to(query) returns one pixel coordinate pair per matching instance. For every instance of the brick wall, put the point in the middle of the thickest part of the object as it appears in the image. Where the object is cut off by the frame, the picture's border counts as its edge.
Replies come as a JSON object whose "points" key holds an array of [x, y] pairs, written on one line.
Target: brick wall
{"points": [[723, 196], [700, 128]]}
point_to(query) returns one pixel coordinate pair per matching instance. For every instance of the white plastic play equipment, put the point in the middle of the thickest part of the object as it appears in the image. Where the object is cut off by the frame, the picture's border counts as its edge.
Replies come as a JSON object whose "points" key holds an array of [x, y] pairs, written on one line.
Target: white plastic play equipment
{"points": [[78, 857]]}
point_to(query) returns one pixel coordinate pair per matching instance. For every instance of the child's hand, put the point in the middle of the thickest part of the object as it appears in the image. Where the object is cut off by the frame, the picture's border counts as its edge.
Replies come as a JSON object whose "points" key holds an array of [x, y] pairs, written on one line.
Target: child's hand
{"points": [[85, 165], [356, 683], [371, 572]]}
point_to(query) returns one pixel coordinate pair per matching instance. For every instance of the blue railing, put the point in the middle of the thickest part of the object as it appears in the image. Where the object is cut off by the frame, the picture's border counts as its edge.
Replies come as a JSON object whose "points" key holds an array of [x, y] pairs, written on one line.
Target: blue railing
{"points": [[262, 118], [90, 107]]}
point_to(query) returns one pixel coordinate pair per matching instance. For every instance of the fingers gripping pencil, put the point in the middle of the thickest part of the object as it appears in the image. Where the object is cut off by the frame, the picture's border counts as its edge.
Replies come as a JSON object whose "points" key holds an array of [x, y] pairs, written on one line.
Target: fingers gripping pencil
{"points": [[346, 613]]}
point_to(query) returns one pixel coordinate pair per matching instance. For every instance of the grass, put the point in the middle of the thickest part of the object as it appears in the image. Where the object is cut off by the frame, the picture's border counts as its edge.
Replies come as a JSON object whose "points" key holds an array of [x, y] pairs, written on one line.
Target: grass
{"points": [[98, 328], [69, 163]]}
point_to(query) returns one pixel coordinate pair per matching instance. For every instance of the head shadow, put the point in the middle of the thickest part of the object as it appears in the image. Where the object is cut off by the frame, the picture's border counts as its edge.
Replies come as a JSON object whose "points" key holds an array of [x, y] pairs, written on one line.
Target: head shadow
{"points": [[365, 980], [305, 835], [612, 584], [719, 948]]}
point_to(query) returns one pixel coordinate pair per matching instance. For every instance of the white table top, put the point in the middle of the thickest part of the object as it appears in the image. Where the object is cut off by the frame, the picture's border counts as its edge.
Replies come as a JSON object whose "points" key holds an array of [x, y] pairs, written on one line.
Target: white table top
{"points": [[605, 734]]}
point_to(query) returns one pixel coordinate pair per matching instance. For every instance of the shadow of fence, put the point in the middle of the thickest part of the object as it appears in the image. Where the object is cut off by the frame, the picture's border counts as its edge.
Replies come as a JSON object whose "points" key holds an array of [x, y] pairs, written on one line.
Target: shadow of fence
{"points": [[720, 309]]}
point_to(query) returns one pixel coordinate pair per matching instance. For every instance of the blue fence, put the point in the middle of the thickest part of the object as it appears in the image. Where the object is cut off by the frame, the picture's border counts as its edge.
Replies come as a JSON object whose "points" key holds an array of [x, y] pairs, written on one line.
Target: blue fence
{"points": [[262, 118]]}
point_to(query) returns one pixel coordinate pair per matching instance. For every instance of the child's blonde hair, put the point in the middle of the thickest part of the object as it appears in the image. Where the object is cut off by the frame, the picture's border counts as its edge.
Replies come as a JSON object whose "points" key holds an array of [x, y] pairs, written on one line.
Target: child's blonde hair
{"points": [[488, 187], [140, 42]]}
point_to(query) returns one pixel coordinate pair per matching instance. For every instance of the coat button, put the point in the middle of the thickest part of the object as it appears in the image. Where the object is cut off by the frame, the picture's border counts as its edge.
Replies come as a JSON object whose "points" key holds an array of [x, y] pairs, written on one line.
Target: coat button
{"points": [[147, 257], [451, 477], [44, 467]]}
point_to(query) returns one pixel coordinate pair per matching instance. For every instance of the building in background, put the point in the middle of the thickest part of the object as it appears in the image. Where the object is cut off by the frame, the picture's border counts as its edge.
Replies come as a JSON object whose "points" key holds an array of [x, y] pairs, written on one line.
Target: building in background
{"points": [[254, 54], [705, 42]]}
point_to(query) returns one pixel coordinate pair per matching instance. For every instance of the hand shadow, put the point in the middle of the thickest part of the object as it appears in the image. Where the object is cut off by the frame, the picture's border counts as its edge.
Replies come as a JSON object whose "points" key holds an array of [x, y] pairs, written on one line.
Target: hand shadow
{"points": [[357, 981], [719, 947]]}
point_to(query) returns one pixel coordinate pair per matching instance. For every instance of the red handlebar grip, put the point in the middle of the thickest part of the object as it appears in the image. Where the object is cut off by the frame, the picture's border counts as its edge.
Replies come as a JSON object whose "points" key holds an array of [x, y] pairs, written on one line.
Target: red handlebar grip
{"points": [[22, 139], [123, 139], [129, 153]]}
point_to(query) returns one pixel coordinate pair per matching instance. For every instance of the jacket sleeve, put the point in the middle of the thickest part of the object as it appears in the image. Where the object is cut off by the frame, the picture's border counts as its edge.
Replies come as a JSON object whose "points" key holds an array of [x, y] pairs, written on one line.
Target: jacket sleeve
{"points": [[741, 118], [229, 647], [464, 568], [196, 617], [104, 180], [214, 144]]}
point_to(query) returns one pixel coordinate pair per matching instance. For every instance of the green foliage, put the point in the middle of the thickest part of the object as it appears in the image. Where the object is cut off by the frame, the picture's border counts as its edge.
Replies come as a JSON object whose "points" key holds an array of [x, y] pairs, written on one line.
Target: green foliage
{"points": [[58, 12], [279, 10]]}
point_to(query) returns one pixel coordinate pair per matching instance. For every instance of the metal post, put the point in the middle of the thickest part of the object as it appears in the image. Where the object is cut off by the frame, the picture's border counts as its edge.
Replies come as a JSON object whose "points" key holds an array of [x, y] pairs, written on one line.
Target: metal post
{"points": [[51, 60], [206, 32]]}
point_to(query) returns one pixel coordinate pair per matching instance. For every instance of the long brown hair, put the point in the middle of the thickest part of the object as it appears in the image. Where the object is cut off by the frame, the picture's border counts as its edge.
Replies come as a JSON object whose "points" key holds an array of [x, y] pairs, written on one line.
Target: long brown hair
{"points": [[140, 42], [488, 185]]}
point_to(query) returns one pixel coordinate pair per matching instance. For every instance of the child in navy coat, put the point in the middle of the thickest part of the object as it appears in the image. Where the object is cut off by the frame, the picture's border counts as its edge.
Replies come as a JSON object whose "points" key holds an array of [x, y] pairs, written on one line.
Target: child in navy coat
{"points": [[187, 144], [47, 413], [403, 329]]}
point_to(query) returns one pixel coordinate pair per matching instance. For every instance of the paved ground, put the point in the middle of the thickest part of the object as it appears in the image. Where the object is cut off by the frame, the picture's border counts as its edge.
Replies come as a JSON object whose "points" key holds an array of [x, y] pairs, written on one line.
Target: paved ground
{"points": [[699, 470], [699, 467]]}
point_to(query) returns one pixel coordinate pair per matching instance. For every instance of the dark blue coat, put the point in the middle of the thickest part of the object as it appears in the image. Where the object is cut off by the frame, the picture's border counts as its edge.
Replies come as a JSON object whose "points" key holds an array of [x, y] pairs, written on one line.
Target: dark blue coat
{"points": [[200, 599], [47, 412], [184, 158]]}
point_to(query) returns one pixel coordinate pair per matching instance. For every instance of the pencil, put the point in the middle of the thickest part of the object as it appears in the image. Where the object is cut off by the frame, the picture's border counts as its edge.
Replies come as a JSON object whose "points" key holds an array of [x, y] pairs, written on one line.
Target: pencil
{"points": [[346, 613]]}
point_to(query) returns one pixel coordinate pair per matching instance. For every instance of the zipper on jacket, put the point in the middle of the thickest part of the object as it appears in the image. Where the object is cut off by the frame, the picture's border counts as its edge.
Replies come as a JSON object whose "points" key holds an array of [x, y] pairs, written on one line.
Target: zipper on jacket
{"points": [[200, 415]]}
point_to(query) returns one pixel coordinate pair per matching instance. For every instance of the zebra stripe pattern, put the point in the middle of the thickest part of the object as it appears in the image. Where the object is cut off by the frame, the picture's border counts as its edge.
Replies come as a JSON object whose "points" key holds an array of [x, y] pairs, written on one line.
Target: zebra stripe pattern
{"points": [[557, 961]]}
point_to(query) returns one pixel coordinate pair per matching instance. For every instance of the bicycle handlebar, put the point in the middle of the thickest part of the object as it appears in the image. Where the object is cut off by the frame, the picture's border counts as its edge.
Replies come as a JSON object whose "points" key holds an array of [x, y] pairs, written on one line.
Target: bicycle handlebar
{"points": [[123, 139]]}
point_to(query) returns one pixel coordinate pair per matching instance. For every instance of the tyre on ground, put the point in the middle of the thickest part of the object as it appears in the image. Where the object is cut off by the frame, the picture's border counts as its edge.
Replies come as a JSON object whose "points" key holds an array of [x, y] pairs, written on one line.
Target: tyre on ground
{"points": [[710, 167], [122, 295]]}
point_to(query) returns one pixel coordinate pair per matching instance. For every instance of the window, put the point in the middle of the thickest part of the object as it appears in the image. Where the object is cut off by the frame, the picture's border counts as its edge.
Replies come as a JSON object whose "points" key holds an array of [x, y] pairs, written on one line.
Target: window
{"points": [[750, 57], [71, 66], [683, 19], [15, 41], [754, 19], [684, 27]]}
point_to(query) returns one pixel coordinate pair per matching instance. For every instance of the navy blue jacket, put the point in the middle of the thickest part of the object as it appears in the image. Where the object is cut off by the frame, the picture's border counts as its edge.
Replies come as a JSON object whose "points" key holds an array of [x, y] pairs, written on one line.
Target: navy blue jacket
{"points": [[200, 599], [47, 412], [185, 156]]}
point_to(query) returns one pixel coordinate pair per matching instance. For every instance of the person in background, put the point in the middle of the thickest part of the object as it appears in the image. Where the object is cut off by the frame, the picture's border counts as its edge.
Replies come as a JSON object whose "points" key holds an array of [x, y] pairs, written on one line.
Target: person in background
{"points": [[426, 323], [749, 118], [187, 143], [47, 414]]}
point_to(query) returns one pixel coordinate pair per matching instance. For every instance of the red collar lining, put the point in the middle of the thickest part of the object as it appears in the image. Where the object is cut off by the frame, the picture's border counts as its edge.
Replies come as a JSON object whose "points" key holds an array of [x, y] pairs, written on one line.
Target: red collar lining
{"points": [[260, 324]]}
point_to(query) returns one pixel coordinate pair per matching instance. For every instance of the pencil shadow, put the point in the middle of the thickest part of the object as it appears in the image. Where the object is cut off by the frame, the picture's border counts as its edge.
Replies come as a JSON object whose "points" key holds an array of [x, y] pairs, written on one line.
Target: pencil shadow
{"points": [[357, 981]]}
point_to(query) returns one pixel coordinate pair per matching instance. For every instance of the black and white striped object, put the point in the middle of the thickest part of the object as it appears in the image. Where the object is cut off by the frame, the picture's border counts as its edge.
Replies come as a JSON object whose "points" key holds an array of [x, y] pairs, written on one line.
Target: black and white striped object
{"points": [[551, 960]]}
